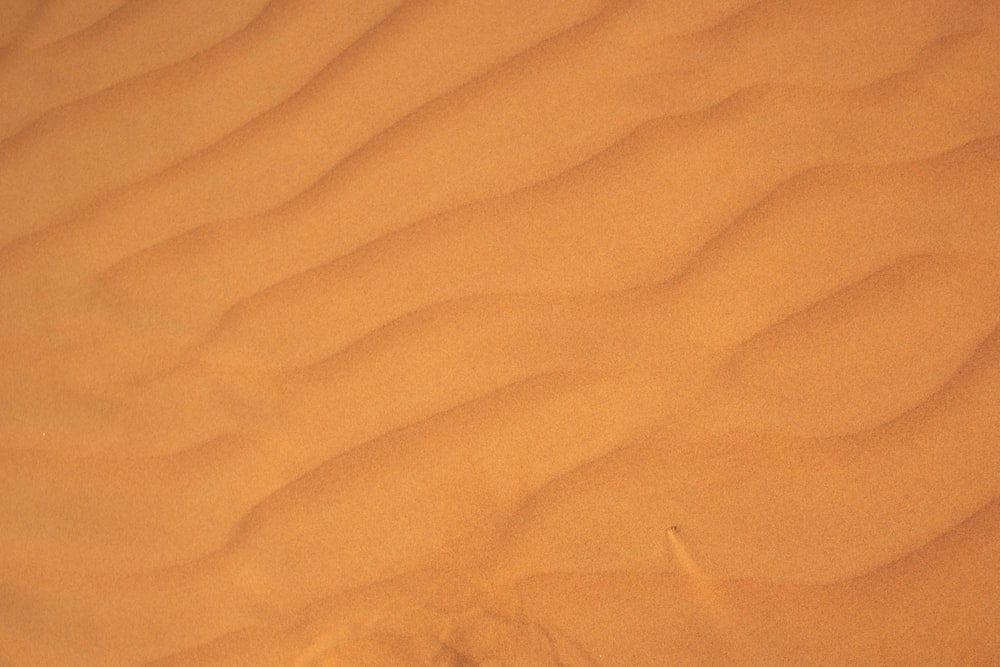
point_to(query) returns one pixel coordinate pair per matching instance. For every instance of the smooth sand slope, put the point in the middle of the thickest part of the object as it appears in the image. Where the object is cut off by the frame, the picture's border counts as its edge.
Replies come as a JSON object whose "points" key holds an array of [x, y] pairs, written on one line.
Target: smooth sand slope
{"points": [[572, 332]]}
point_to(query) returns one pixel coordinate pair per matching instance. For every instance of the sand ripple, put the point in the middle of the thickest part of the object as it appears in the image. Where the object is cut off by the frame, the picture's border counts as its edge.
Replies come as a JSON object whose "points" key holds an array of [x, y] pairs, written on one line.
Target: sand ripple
{"points": [[523, 333]]}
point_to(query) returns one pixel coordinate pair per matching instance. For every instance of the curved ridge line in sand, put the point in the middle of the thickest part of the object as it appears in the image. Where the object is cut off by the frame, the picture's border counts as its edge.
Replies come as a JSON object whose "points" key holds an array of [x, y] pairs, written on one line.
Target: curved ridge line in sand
{"points": [[29, 23], [422, 509], [608, 150], [847, 290], [328, 465], [713, 595], [35, 126], [646, 125], [355, 153], [129, 5], [135, 6], [992, 503], [389, 329], [987, 346], [121, 190], [190, 357], [19, 140], [562, 381], [746, 216], [124, 188], [764, 200], [237, 34], [123, 7], [93, 207], [385, 238], [689, 567], [946, 151]]}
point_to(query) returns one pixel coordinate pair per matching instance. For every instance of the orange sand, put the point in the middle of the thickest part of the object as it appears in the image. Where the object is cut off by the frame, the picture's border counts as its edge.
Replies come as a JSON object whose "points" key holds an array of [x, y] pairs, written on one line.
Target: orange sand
{"points": [[402, 333]]}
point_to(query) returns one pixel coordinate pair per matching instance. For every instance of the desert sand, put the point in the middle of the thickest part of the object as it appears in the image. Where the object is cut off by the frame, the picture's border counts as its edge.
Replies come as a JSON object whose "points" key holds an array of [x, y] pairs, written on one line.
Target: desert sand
{"points": [[563, 332]]}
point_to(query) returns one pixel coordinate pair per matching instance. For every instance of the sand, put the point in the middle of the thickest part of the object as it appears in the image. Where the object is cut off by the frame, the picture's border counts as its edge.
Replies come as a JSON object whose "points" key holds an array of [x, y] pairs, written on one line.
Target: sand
{"points": [[573, 332]]}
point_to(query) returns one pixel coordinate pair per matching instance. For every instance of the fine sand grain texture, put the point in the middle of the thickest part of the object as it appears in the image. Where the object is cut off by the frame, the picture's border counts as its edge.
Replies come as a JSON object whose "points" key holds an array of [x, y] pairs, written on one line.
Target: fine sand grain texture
{"points": [[524, 332]]}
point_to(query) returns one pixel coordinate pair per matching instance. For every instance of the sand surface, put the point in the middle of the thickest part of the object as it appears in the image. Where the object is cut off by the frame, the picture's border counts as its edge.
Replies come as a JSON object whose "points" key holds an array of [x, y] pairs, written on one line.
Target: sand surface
{"points": [[563, 332]]}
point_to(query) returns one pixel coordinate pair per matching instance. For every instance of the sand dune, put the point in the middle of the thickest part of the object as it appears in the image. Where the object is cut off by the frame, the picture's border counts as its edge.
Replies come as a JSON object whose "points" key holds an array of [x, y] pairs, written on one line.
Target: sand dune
{"points": [[518, 333]]}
